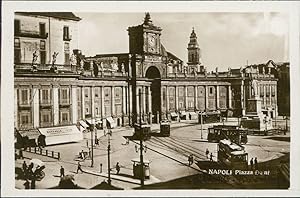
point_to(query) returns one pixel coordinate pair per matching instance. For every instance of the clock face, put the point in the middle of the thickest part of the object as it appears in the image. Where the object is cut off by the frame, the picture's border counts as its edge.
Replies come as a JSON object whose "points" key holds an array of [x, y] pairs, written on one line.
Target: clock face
{"points": [[151, 41]]}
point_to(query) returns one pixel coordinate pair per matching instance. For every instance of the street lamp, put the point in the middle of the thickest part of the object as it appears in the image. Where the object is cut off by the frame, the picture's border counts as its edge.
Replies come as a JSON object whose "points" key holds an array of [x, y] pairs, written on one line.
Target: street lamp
{"points": [[92, 128], [141, 140], [109, 133]]}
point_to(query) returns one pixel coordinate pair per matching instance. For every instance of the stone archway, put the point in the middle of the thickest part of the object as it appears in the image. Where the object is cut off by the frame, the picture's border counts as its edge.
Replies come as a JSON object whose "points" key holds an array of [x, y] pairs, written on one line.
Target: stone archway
{"points": [[155, 76]]}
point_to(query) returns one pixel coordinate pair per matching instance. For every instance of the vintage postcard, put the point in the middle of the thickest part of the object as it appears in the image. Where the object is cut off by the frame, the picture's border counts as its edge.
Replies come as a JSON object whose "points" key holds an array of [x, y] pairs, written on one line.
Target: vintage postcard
{"points": [[118, 98]]}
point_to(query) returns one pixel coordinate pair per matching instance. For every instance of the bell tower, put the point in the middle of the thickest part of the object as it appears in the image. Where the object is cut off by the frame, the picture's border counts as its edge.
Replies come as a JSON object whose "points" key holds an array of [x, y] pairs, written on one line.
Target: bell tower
{"points": [[194, 56]]}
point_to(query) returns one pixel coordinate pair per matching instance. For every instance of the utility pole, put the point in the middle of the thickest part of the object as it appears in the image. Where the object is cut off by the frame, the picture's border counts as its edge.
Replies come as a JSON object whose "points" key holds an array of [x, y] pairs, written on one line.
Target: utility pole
{"points": [[201, 122], [108, 157], [92, 127], [141, 141]]}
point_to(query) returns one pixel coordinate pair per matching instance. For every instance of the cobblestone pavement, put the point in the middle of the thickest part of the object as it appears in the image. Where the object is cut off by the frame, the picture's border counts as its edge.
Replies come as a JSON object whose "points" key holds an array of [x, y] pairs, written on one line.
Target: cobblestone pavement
{"points": [[167, 156]]}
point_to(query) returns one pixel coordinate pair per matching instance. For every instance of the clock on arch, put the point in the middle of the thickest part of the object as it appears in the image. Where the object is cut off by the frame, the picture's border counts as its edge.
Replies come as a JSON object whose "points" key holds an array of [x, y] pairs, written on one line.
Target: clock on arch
{"points": [[152, 43]]}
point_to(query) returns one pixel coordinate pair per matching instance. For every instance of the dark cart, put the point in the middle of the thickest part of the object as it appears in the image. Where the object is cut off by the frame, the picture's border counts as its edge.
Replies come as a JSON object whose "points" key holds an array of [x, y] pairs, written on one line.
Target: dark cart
{"points": [[165, 128], [137, 169]]}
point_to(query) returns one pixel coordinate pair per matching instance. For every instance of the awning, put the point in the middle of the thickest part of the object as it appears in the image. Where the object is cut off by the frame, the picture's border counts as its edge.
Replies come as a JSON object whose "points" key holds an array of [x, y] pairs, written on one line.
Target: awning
{"points": [[83, 123], [63, 134], [111, 122], [192, 113], [31, 133], [173, 114], [182, 113]]}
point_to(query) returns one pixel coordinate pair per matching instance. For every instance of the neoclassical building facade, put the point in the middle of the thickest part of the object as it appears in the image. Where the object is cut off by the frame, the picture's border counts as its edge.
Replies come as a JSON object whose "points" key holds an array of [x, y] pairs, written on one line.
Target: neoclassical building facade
{"points": [[56, 85]]}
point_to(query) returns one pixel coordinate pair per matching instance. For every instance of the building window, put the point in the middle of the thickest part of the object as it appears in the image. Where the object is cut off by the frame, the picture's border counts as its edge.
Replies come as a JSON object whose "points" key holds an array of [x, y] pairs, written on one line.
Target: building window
{"points": [[66, 35], [17, 50], [24, 100], [64, 96], [43, 52], [211, 90], [64, 117], [67, 53], [42, 29], [17, 26], [45, 96], [25, 119], [46, 117]]}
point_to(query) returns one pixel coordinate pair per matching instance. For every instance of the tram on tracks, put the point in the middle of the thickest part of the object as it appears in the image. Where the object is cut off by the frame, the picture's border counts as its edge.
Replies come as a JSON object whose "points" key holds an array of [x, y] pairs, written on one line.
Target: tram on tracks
{"points": [[232, 155], [234, 133], [209, 117]]}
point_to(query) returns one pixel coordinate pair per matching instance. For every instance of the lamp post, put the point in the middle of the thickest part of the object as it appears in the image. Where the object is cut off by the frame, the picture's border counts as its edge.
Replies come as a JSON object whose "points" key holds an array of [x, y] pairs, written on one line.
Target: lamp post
{"points": [[92, 127], [108, 156], [141, 140]]}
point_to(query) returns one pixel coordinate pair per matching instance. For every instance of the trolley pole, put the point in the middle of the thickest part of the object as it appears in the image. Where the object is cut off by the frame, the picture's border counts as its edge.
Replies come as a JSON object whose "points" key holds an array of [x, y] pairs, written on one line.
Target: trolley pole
{"points": [[141, 141]]}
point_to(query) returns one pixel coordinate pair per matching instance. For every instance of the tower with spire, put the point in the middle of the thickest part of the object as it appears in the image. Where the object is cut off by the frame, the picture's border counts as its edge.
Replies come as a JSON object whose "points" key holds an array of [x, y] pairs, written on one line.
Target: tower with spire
{"points": [[194, 56]]}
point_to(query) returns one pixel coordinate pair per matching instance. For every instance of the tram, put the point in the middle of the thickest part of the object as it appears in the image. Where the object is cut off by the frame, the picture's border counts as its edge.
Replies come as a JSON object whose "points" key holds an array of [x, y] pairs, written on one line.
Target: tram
{"points": [[209, 117], [232, 155], [233, 133]]}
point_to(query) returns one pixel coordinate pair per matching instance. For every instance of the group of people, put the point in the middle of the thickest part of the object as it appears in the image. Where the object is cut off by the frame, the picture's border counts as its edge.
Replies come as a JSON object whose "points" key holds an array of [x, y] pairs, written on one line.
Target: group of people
{"points": [[207, 155], [253, 163], [30, 175]]}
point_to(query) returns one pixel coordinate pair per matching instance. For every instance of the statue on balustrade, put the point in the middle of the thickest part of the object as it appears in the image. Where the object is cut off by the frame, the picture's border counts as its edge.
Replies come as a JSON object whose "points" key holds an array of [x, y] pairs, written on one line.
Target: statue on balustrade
{"points": [[95, 68], [53, 67], [34, 60], [123, 68]]}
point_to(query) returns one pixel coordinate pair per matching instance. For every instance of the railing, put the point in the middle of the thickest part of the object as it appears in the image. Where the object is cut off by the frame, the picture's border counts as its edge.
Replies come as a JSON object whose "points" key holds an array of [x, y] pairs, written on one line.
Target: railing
{"points": [[31, 34], [44, 67], [43, 152]]}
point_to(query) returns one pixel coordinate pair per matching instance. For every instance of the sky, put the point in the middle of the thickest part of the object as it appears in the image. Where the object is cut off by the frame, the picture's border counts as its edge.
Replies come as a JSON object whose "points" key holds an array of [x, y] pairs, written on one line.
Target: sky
{"points": [[225, 39]]}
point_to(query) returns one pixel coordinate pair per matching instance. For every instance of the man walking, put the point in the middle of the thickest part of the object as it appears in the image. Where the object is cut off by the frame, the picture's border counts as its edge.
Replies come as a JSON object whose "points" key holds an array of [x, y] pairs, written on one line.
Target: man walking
{"points": [[255, 163], [79, 168], [251, 163], [118, 168], [211, 157], [207, 153], [62, 171]]}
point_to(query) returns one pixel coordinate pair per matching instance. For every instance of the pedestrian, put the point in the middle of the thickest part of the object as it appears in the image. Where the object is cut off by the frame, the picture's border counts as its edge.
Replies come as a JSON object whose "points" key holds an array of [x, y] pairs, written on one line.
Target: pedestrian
{"points": [[21, 154], [79, 168], [30, 171], [192, 159], [255, 163], [90, 155], [101, 168], [62, 171], [26, 184], [82, 154], [251, 163], [32, 185], [189, 159], [207, 153], [87, 143], [24, 166], [118, 168], [211, 157]]}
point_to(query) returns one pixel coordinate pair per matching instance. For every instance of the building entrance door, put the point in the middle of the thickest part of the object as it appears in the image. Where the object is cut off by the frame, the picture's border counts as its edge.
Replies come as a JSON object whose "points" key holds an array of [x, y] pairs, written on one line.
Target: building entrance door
{"points": [[153, 74]]}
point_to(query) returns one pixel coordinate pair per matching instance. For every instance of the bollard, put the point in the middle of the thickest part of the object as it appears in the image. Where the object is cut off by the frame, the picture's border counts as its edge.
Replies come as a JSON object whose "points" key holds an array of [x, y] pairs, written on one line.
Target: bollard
{"points": [[34, 149], [101, 168], [52, 154], [46, 152], [58, 155], [41, 152]]}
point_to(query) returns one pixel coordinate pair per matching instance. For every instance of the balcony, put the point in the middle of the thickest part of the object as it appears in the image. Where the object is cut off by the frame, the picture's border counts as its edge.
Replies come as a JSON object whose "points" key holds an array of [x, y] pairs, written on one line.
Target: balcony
{"points": [[31, 34]]}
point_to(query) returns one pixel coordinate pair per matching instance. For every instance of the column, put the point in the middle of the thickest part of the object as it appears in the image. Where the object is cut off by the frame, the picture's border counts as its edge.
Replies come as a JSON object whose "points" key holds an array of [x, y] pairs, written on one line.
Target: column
{"points": [[130, 99], [196, 97], [102, 101], [16, 107], [218, 97], [185, 98], [242, 98], [229, 97], [265, 101], [206, 97], [137, 101], [176, 98], [36, 106], [123, 100], [55, 106], [270, 95], [83, 102], [149, 99], [167, 99], [93, 102], [112, 101], [74, 104], [144, 111], [275, 100]]}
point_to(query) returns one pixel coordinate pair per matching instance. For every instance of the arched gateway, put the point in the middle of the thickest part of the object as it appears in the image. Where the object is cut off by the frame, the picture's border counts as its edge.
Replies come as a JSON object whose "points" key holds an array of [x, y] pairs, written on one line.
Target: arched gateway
{"points": [[153, 74]]}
